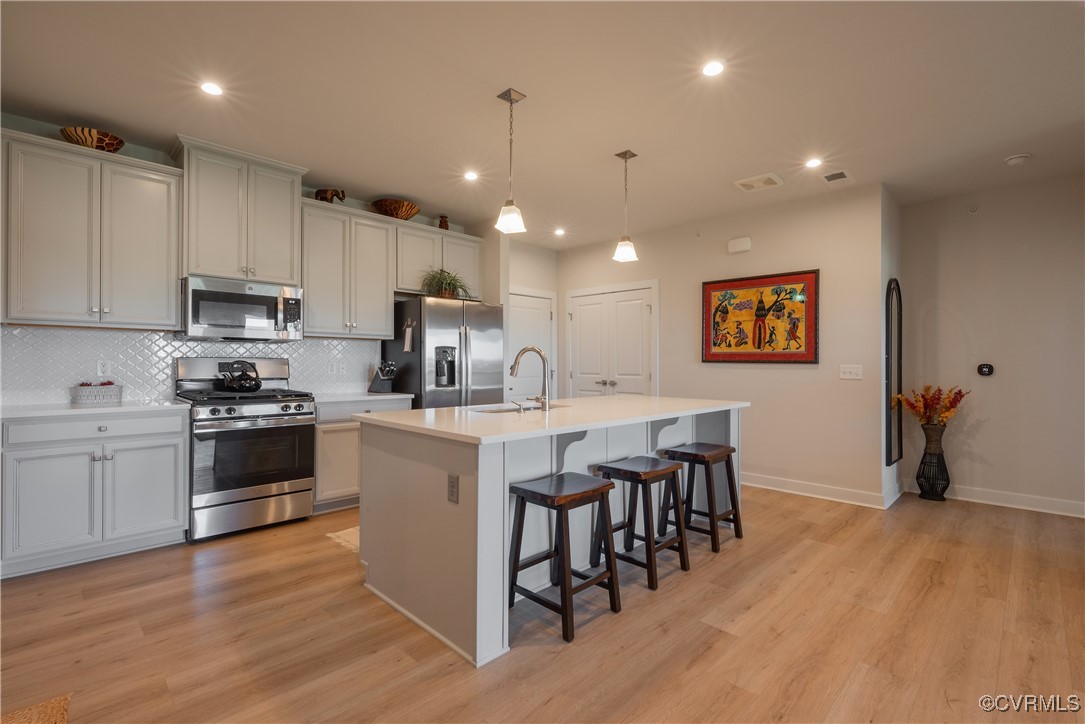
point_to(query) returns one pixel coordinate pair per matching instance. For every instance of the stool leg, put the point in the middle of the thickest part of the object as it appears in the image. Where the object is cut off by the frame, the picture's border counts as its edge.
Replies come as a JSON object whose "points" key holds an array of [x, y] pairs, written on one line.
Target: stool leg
{"points": [[665, 512], [566, 574], [683, 548], [597, 537], [690, 485], [649, 537], [517, 540], [710, 490], [631, 518], [732, 489], [607, 535]]}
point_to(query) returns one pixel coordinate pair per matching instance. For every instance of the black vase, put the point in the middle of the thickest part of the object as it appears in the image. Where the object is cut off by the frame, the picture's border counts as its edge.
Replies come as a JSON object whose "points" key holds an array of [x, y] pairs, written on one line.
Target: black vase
{"points": [[933, 475]]}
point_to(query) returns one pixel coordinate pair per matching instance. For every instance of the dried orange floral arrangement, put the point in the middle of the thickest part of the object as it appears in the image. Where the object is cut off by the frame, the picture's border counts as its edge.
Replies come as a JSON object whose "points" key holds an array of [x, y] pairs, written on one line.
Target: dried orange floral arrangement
{"points": [[933, 406]]}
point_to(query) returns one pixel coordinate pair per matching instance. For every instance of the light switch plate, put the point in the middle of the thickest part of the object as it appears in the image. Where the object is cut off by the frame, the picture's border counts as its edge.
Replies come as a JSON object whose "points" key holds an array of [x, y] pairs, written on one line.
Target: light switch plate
{"points": [[851, 372]]}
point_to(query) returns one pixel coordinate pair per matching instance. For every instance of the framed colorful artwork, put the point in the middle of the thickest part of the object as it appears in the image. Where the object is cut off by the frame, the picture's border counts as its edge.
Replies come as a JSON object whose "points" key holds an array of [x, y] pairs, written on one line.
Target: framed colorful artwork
{"points": [[771, 318]]}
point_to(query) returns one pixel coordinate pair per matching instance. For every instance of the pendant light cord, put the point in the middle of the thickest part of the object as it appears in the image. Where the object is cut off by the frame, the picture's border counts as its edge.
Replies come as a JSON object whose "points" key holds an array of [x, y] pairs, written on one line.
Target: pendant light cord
{"points": [[510, 149], [627, 197]]}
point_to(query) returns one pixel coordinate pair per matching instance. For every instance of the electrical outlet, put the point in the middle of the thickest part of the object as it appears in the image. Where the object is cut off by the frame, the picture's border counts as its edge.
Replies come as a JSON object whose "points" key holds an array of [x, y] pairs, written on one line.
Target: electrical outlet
{"points": [[851, 372], [105, 368], [453, 488], [342, 366]]}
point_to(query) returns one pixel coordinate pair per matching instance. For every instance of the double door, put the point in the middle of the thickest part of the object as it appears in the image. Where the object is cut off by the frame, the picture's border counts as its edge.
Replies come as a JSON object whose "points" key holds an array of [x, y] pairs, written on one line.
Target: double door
{"points": [[612, 343]]}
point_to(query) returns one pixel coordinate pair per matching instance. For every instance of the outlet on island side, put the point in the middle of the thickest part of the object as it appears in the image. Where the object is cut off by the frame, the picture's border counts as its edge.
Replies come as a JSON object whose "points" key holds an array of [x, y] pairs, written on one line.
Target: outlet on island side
{"points": [[453, 488]]}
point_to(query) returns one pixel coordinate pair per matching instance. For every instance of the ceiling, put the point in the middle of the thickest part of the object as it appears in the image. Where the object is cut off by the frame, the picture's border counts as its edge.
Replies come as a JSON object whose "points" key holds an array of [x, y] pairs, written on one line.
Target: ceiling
{"points": [[399, 99]]}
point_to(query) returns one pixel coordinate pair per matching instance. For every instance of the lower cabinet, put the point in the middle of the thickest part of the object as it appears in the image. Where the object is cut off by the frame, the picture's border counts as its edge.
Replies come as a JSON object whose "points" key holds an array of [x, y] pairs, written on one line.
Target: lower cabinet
{"points": [[82, 500], [338, 448]]}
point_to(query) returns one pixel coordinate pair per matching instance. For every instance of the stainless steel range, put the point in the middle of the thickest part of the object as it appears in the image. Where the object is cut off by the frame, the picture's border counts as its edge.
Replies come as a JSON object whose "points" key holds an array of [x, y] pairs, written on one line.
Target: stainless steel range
{"points": [[252, 443]]}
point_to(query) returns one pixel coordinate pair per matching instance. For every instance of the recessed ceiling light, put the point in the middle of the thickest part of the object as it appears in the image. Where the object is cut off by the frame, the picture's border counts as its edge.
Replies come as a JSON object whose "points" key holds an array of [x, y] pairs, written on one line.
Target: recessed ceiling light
{"points": [[714, 67], [211, 89], [813, 163], [1017, 159], [559, 232], [471, 176]]}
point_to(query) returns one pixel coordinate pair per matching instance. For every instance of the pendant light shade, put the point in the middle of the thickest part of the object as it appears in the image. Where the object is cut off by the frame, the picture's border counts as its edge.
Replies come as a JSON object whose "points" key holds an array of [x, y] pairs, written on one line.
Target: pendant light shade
{"points": [[625, 251], [510, 220]]}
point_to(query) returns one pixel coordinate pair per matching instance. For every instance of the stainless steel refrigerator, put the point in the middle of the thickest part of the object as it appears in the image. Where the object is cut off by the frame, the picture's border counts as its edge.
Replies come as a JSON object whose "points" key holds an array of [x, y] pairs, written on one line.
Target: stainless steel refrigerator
{"points": [[447, 352]]}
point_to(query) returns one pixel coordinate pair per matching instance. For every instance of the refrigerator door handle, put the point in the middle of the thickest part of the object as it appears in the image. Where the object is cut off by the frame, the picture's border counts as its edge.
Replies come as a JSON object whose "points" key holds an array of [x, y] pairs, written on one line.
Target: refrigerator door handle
{"points": [[469, 365], [465, 365]]}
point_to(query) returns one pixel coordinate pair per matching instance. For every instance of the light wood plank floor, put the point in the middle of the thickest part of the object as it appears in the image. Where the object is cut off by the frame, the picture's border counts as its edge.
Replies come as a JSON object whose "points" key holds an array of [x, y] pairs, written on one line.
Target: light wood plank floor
{"points": [[824, 611]]}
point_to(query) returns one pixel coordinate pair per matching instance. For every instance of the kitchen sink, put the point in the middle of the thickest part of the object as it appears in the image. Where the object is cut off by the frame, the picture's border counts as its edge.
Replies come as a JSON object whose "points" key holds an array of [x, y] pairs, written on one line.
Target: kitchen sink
{"points": [[507, 407]]}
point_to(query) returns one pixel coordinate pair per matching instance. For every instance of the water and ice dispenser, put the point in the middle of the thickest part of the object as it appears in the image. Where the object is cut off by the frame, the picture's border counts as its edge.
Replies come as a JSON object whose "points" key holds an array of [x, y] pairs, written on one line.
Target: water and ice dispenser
{"points": [[445, 361]]}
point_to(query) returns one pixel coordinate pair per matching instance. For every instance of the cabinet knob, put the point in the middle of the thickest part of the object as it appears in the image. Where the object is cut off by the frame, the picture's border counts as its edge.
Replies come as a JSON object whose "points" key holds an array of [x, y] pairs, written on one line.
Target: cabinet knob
{"points": [[103, 428], [252, 270]]}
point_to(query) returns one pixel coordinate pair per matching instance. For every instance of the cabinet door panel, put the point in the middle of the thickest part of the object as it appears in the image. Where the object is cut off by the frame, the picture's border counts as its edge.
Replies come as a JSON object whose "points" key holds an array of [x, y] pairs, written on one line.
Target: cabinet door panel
{"points": [[416, 253], [338, 460], [142, 489], [462, 257], [326, 273], [51, 499], [139, 248], [373, 248], [53, 236], [215, 191], [274, 226]]}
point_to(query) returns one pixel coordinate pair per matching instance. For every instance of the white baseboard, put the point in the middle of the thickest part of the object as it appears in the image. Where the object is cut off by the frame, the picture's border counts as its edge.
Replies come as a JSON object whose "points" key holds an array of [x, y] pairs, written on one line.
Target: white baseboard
{"points": [[815, 490], [1058, 506]]}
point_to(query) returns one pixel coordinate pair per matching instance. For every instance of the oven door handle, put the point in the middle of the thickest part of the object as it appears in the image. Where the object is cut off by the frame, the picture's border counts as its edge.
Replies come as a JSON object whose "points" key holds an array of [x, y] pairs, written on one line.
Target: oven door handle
{"points": [[292, 421]]}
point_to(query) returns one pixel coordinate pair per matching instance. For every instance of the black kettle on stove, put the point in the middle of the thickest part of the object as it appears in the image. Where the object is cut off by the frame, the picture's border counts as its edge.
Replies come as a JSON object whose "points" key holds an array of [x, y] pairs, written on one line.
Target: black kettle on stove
{"points": [[241, 377]]}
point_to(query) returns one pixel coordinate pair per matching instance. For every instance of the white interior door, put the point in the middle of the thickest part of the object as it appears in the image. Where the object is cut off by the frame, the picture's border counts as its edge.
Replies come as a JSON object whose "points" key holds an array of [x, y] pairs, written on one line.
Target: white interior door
{"points": [[530, 323], [612, 343]]}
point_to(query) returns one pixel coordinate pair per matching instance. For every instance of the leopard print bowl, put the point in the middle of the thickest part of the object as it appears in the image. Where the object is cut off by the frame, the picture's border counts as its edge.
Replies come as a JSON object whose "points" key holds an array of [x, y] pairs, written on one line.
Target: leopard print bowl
{"points": [[396, 208], [92, 138]]}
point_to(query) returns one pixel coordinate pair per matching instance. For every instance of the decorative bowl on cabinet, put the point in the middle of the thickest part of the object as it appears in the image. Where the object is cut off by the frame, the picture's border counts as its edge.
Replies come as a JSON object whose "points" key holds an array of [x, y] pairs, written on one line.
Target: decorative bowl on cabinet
{"points": [[92, 138], [396, 208]]}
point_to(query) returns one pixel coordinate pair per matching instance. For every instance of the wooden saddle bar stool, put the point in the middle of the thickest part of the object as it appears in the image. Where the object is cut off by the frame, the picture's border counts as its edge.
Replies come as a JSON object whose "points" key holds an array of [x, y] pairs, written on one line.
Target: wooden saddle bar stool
{"points": [[706, 454], [642, 472], [562, 493]]}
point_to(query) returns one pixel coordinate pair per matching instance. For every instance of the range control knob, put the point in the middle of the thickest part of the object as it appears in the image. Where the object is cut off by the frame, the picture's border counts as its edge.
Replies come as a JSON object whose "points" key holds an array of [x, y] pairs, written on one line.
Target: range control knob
{"points": [[299, 407], [285, 408], [215, 412], [231, 410]]}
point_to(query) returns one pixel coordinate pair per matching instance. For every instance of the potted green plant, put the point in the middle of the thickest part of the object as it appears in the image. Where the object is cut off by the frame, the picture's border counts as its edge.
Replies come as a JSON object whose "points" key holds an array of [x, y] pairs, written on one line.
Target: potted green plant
{"points": [[444, 283]]}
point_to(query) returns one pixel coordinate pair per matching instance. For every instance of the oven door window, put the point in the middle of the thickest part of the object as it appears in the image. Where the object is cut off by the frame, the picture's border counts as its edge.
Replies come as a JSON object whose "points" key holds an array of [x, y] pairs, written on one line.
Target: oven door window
{"points": [[228, 310], [232, 460]]}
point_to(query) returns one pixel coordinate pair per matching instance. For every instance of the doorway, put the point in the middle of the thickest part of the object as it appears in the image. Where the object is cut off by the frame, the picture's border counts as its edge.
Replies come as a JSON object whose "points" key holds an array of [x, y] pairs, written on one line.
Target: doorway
{"points": [[530, 322], [613, 340]]}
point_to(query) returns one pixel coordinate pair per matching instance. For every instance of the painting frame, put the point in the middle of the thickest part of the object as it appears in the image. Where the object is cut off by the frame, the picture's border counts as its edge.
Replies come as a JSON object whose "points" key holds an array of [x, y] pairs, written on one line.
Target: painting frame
{"points": [[770, 332]]}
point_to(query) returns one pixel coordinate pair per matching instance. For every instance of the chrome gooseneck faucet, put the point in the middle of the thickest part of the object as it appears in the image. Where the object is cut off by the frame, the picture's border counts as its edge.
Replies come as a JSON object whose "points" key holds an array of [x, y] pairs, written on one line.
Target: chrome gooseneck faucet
{"points": [[544, 397]]}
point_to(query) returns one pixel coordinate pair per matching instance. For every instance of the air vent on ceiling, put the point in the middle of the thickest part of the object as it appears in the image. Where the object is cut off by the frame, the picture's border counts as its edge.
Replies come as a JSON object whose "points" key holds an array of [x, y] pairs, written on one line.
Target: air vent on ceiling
{"points": [[836, 179], [760, 183]]}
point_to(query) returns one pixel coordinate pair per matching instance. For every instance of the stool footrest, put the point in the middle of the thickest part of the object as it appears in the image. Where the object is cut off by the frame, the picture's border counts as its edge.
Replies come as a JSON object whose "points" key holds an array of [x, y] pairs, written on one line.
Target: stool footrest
{"points": [[536, 559], [589, 581], [541, 600]]}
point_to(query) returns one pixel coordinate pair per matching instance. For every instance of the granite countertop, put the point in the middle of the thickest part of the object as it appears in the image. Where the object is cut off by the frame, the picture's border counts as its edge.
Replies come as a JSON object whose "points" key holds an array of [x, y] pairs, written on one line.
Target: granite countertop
{"points": [[58, 409], [475, 425]]}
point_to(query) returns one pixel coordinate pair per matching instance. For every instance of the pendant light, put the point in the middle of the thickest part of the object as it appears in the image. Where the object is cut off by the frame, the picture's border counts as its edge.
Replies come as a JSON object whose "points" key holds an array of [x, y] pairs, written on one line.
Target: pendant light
{"points": [[625, 251], [510, 220]]}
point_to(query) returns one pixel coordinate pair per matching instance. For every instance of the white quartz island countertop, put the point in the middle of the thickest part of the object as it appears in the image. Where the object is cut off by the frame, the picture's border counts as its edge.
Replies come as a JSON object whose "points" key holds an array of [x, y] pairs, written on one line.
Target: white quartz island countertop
{"points": [[476, 425]]}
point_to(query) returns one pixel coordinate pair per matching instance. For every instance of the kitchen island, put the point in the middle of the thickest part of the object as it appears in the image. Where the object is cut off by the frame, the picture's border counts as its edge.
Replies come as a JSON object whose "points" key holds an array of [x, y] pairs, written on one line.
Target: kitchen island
{"points": [[435, 510]]}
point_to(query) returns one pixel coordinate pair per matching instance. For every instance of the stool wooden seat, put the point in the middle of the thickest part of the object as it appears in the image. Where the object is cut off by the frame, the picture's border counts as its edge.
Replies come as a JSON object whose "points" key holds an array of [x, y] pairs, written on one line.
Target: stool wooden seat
{"points": [[706, 454], [562, 493], [644, 471]]}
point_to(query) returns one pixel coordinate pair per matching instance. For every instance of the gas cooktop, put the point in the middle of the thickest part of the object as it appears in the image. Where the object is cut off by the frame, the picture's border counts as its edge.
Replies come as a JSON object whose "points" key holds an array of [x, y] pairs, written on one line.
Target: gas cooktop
{"points": [[223, 395]]}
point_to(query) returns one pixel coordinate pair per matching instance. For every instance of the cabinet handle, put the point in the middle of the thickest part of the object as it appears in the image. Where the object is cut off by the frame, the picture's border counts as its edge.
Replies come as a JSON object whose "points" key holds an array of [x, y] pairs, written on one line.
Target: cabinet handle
{"points": [[613, 383], [243, 269], [347, 325], [108, 457], [105, 311], [96, 458], [252, 270], [103, 428], [601, 382], [94, 310]]}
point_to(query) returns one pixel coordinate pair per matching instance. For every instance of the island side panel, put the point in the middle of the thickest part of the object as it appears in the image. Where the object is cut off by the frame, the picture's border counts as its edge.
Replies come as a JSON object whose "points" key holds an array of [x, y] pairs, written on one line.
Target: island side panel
{"points": [[528, 460], [421, 550], [721, 428], [494, 532], [580, 452]]}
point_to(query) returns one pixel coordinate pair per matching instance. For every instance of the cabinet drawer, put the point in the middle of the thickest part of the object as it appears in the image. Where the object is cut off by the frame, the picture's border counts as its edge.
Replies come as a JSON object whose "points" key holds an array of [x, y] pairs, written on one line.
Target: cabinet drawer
{"points": [[341, 411], [22, 433]]}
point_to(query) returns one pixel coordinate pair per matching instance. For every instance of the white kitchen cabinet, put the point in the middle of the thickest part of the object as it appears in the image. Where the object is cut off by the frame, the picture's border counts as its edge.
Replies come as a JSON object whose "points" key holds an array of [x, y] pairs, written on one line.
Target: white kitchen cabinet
{"points": [[81, 487], [419, 250], [243, 215], [338, 447], [349, 265], [91, 241]]}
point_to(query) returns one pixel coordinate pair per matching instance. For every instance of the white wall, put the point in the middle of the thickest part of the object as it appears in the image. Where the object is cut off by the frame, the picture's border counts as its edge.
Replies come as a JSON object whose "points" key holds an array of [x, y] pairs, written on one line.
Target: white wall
{"points": [[1002, 285], [807, 431], [532, 267]]}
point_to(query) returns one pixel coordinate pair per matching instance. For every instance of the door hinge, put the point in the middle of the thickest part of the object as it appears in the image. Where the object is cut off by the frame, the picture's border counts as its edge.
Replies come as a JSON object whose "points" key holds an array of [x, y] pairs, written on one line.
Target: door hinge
{"points": [[551, 316], [649, 309], [649, 376], [570, 374], [570, 316]]}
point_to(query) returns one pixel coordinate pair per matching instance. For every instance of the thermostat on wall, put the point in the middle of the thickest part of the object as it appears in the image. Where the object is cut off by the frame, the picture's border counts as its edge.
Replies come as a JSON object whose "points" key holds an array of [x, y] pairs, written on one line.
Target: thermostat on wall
{"points": [[986, 370]]}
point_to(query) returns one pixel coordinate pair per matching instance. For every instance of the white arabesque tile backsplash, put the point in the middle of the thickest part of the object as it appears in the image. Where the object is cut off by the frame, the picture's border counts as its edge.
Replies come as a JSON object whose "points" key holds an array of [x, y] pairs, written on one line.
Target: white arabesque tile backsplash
{"points": [[39, 364]]}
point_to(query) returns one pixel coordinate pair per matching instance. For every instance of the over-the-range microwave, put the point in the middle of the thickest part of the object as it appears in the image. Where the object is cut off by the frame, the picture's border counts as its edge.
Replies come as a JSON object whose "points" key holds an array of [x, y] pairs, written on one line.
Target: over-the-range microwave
{"points": [[241, 310]]}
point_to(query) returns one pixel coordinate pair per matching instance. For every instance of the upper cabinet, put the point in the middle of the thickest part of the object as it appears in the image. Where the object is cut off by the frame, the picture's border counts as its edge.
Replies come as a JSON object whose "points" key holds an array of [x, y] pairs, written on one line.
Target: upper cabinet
{"points": [[91, 238], [349, 267], [419, 250], [242, 215]]}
